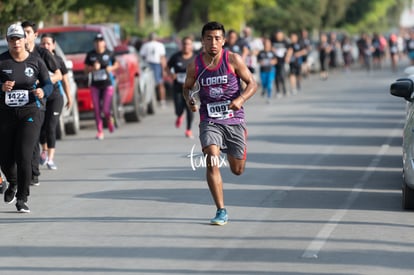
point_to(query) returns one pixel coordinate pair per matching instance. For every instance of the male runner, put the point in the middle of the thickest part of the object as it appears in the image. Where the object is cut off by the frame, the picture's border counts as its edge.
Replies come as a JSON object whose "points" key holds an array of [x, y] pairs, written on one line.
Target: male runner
{"points": [[294, 56], [280, 46], [222, 125], [177, 66], [31, 31]]}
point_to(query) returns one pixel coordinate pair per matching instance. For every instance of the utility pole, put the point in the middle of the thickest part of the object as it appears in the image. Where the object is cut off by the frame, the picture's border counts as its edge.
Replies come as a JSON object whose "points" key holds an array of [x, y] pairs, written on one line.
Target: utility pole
{"points": [[156, 12], [65, 18]]}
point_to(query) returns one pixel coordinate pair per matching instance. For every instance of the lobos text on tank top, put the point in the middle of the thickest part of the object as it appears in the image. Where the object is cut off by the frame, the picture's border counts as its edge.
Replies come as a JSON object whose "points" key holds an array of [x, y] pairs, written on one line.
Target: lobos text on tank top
{"points": [[218, 87]]}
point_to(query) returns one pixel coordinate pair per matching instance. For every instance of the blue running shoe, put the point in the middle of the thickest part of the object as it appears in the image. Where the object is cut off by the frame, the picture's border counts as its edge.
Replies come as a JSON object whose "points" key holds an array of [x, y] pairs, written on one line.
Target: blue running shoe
{"points": [[221, 217], [43, 158]]}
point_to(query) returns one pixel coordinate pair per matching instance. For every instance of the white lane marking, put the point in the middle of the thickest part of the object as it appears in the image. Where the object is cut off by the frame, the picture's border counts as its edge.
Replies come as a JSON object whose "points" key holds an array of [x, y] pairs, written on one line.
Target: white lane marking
{"points": [[323, 235]]}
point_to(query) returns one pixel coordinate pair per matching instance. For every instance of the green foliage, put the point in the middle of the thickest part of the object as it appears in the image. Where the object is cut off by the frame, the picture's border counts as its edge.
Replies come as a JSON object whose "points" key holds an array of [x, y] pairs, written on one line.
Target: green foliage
{"points": [[231, 13], [187, 16], [351, 15], [373, 15], [119, 4], [99, 13], [35, 10], [335, 12], [132, 30], [290, 16]]}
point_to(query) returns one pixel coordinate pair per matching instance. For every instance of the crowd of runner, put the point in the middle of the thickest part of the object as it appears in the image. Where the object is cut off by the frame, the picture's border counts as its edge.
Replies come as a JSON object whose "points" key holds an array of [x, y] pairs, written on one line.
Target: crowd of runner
{"points": [[281, 61]]}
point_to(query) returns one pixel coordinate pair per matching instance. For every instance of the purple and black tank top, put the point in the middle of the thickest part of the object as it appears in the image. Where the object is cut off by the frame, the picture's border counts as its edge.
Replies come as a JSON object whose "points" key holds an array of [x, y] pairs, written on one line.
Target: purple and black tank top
{"points": [[218, 87]]}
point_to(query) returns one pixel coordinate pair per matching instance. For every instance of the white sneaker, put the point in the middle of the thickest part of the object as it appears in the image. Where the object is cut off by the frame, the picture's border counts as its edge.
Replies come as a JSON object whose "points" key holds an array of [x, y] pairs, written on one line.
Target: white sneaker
{"points": [[51, 166]]}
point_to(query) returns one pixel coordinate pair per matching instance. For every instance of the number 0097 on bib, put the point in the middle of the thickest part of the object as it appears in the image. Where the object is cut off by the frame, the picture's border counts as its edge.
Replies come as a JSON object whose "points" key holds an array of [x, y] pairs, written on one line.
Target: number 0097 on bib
{"points": [[220, 110]]}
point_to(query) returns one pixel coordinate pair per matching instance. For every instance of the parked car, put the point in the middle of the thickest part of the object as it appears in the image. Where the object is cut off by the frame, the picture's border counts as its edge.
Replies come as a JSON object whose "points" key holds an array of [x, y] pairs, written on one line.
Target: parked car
{"points": [[146, 84], [404, 88], [69, 119], [128, 100]]}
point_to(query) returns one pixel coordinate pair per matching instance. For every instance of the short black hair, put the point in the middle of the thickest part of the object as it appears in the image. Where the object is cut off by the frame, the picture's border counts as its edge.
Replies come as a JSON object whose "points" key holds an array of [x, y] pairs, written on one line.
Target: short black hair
{"points": [[212, 26], [48, 35], [231, 32], [31, 24]]}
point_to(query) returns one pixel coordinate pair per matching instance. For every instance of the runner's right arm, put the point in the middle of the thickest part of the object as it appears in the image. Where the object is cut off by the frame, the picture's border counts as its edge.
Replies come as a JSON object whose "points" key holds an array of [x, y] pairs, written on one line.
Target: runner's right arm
{"points": [[189, 84]]}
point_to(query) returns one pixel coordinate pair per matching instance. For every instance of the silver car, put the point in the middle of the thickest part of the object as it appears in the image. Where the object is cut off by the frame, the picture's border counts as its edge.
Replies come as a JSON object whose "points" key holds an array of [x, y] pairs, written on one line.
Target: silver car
{"points": [[404, 87], [146, 85], [69, 120]]}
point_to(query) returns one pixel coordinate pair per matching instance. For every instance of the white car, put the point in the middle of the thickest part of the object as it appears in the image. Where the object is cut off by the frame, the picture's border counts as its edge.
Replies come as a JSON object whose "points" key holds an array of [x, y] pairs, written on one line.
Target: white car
{"points": [[69, 120], [404, 87]]}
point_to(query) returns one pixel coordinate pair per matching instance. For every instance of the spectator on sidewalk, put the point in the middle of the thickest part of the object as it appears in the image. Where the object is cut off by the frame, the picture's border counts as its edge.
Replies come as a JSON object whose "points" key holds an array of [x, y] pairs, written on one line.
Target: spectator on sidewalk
{"points": [[154, 53]]}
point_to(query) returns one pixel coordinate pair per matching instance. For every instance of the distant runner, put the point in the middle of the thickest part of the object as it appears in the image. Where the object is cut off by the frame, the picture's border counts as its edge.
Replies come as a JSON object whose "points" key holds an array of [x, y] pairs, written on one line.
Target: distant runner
{"points": [[177, 65]]}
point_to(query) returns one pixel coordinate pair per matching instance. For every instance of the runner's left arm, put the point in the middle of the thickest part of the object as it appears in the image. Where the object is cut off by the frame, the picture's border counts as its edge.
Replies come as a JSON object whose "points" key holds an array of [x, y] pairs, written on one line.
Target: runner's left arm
{"points": [[52, 66], [246, 76], [45, 87]]}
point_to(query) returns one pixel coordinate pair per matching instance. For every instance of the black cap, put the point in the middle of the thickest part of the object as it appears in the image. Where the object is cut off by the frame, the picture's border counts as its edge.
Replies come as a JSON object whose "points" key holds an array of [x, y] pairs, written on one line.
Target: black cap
{"points": [[99, 36]]}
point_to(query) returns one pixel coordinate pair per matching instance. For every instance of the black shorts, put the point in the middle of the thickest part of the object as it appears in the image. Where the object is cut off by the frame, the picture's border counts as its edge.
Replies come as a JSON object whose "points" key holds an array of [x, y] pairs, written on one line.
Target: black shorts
{"points": [[295, 68]]}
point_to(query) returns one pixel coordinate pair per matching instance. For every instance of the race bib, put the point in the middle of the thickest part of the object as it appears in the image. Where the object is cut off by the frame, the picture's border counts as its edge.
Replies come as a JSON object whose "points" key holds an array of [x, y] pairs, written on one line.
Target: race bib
{"points": [[266, 62], [220, 110], [100, 75], [17, 98], [181, 77]]}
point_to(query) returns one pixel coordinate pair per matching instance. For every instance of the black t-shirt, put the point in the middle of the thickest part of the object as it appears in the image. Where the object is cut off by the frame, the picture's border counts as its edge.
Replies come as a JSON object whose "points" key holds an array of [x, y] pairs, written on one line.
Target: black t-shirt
{"points": [[296, 48], [323, 46], [178, 64], [49, 61], [243, 43], [64, 70], [47, 57], [237, 47], [306, 44], [101, 78], [265, 58], [280, 49], [61, 64], [25, 74]]}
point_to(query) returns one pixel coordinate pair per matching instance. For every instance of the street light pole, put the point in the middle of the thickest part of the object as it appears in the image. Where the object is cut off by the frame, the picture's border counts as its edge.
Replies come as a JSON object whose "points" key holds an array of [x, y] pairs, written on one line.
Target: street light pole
{"points": [[156, 12]]}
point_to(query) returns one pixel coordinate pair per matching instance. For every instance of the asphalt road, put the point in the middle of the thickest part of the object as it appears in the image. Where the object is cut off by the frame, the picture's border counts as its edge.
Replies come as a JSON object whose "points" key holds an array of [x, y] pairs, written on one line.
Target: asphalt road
{"points": [[320, 195]]}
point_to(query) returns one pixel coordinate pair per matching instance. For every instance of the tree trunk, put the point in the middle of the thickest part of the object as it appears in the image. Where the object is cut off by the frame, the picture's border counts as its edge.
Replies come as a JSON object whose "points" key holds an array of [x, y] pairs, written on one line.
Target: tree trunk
{"points": [[185, 15]]}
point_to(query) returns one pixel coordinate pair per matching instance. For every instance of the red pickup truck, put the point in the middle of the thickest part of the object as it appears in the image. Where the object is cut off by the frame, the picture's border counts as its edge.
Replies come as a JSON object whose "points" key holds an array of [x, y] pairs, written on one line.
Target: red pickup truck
{"points": [[129, 100]]}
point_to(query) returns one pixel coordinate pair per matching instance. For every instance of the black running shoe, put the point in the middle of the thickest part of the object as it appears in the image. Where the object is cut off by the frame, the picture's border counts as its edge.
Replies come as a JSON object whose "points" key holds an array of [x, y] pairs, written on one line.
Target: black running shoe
{"points": [[35, 180], [10, 195], [22, 207]]}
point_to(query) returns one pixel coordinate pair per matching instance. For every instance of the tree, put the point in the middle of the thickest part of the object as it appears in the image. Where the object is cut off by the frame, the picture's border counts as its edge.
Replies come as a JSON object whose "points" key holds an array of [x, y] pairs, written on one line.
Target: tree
{"points": [[374, 15], [334, 12], [184, 14], [350, 15], [289, 16], [233, 14], [34, 10]]}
